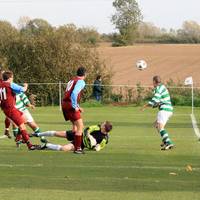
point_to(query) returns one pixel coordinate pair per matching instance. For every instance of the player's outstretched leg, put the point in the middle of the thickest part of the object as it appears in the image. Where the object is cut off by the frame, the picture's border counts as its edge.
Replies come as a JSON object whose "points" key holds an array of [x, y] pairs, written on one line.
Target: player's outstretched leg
{"points": [[46, 133], [57, 147], [25, 137]]}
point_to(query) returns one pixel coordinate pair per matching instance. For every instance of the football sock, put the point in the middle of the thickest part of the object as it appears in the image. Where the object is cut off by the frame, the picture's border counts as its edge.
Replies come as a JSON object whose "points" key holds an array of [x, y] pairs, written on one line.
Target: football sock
{"points": [[78, 142], [47, 133], [165, 136], [15, 131], [37, 130], [7, 123], [56, 147], [25, 137], [29, 144], [18, 138]]}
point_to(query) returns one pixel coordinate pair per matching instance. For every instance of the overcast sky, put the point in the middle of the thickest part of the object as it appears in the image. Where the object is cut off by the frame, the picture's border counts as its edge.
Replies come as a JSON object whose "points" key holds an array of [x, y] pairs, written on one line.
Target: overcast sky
{"points": [[97, 13]]}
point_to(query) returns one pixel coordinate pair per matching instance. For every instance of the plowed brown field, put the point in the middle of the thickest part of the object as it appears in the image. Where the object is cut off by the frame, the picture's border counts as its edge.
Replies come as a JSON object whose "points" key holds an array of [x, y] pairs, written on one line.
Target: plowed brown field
{"points": [[169, 61]]}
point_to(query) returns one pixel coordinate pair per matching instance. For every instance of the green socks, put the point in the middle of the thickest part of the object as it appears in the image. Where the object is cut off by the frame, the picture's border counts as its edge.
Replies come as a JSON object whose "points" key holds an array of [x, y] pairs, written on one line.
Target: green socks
{"points": [[165, 137]]}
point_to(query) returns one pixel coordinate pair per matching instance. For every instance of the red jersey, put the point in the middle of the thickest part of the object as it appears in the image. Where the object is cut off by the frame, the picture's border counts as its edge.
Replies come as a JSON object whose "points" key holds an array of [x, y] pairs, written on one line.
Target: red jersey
{"points": [[7, 94], [73, 91]]}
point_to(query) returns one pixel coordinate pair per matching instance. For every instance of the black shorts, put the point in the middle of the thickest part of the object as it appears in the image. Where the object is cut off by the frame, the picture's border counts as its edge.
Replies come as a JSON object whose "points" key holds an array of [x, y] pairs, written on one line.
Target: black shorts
{"points": [[70, 136]]}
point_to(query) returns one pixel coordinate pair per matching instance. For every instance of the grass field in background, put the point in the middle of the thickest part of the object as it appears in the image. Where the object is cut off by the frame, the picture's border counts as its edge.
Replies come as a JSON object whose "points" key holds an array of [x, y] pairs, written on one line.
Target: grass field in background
{"points": [[130, 167]]}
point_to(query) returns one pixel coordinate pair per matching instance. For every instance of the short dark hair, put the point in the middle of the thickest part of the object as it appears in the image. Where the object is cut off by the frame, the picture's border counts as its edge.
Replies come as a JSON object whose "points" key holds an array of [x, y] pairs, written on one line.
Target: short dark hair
{"points": [[81, 71], [6, 75], [108, 126], [98, 77], [157, 79]]}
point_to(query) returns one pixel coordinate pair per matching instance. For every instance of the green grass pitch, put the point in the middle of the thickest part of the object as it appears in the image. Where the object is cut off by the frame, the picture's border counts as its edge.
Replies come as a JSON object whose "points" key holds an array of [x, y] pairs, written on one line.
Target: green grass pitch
{"points": [[130, 167]]}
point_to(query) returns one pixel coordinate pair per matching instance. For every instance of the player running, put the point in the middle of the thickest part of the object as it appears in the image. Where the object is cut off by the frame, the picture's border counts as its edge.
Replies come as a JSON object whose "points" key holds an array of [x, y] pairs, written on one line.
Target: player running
{"points": [[162, 100], [94, 138], [71, 109], [22, 104], [8, 91]]}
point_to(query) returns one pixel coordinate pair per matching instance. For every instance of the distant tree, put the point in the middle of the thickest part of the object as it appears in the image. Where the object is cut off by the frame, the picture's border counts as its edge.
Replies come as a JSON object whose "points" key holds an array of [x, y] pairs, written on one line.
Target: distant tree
{"points": [[41, 53], [148, 30], [8, 35], [35, 27], [89, 36], [190, 32], [126, 20]]}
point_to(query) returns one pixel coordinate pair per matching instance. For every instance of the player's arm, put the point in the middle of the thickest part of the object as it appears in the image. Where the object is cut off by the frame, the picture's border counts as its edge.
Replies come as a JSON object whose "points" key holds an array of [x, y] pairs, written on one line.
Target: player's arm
{"points": [[19, 89], [154, 102], [90, 141], [90, 129], [101, 146], [74, 95], [94, 145]]}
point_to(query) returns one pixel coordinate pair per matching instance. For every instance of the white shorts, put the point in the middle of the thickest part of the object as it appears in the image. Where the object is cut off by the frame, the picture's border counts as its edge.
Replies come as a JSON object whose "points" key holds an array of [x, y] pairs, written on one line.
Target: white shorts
{"points": [[28, 116], [163, 117]]}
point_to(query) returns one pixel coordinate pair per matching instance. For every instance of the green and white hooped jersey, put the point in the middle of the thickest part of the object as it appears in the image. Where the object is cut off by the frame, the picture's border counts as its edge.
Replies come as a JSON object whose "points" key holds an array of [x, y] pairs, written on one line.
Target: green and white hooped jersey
{"points": [[21, 102], [161, 98]]}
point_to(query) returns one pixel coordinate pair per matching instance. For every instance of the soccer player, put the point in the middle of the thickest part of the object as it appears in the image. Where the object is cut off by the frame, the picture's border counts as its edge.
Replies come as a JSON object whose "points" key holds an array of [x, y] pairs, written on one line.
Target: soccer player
{"points": [[71, 109], [8, 91], [22, 104], [7, 121], [162, 100], [94, 138]]}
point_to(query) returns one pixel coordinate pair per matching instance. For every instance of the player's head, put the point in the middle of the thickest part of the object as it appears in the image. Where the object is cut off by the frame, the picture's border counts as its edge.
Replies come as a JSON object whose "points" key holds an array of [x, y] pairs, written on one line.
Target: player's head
{"points": [[98, 77], [7, 76], [81, 71], [156, 81], [106, 127]]}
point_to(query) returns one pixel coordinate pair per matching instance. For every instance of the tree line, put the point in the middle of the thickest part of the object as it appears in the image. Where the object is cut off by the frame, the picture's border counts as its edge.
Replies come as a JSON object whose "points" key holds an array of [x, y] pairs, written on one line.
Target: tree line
{"points": [[37, 53], [128, 20], [147, 32]]}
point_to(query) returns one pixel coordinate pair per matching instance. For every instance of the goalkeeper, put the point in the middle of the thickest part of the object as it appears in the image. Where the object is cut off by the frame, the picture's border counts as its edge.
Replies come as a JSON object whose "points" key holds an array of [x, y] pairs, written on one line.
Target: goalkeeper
{"points": [[94, 138]]}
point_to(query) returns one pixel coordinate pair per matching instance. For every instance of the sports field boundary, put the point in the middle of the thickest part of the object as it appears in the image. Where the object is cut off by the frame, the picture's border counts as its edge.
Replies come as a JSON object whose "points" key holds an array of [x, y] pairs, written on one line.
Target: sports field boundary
{"points": [[195, 126]]}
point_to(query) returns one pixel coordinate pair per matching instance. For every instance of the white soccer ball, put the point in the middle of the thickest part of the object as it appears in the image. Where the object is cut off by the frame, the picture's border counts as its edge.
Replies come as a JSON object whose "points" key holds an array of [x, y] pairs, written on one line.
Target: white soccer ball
{"points": [[141, 64]]}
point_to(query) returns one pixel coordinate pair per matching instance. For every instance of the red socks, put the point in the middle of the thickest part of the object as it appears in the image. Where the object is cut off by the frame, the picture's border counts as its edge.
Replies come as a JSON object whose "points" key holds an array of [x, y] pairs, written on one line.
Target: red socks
{"points": [[7, 123], [25, 137], [78, 142]]}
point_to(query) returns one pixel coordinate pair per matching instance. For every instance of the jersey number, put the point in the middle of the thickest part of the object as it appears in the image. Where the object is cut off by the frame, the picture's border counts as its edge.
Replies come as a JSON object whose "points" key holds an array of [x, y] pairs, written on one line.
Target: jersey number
{"points": [[3, 94], [69, 85]]}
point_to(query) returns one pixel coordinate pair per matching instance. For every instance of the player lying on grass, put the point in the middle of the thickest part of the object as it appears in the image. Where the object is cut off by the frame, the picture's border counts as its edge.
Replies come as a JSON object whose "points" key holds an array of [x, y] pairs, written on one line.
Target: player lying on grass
{"points": [[94, 138], [8, 91], [162, 100]]}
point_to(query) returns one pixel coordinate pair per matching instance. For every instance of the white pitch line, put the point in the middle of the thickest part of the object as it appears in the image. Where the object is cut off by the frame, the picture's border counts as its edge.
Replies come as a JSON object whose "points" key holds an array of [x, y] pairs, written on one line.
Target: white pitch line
{"points": [[101, 166], [195, 126], [20, 165]]}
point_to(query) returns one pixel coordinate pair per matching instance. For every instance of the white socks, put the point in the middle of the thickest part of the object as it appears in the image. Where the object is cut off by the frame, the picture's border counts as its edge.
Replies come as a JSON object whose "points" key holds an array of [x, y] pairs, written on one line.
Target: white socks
{"points": [[56, 147], [47, 133]]}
